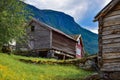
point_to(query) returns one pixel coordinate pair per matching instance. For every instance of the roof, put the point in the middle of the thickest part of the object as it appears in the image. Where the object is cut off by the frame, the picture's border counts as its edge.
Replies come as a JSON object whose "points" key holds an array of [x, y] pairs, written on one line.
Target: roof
{"points": [[76, 37], [51, 28], [106, 9]]}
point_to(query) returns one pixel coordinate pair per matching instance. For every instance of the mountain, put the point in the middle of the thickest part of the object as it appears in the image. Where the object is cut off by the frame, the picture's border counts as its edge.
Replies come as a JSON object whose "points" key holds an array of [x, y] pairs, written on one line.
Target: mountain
{"points": [[66, 24]]}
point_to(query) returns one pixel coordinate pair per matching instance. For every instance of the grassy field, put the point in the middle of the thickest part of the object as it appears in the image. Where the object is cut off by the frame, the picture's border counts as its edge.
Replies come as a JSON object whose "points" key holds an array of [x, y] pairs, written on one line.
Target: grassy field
{"points": [[13, 69]]}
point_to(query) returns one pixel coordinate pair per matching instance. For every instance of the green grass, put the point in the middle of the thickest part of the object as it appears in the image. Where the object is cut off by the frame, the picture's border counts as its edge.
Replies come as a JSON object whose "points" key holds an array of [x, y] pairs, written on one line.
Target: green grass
{"points": [[12, 69]]}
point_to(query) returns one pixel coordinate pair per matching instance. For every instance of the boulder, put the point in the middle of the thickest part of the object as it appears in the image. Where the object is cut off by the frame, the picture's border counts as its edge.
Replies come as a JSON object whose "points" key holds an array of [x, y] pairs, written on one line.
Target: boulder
{"points": [[88, 65]]}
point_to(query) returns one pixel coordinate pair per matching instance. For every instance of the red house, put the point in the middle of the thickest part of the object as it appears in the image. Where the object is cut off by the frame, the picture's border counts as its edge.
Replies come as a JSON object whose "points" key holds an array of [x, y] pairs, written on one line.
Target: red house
{"points": [[79, 46]]}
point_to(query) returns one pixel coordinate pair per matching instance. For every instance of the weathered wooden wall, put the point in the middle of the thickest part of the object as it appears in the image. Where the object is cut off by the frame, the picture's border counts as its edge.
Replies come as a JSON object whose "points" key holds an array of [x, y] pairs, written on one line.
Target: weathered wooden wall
{"points": [[109, 40], [41, 36], [63, 43]]}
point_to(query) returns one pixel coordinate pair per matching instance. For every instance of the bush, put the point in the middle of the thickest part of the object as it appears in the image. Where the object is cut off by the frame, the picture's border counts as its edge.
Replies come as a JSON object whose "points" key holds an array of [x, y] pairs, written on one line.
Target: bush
{"points": [[6, 49]]}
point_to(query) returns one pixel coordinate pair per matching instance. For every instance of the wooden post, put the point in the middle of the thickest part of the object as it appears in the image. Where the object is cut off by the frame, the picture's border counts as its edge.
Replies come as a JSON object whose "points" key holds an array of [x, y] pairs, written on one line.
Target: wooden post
{"points": [[100, 43], [50, 54], [63, 57]]}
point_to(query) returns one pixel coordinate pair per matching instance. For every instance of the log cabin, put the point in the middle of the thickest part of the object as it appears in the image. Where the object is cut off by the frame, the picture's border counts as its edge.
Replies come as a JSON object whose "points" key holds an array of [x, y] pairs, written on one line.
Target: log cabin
{"points": [[109, 38], [46, 41]]}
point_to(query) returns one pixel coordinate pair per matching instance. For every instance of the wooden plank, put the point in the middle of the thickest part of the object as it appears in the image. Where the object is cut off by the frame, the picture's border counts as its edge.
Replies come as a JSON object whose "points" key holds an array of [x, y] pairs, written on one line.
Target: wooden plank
{"points": [[64, 54], [112, 45], [111, 50], [114, 27], [42, 33], [113, 20], [110, 67], [113, 13], [62, 46], [64, 50], [117, 7], [117, 60], [111, 36], [42, 46], [107, 41], [108, 32], [68, 52], [111, 55], [111, 23], [64, 57]]}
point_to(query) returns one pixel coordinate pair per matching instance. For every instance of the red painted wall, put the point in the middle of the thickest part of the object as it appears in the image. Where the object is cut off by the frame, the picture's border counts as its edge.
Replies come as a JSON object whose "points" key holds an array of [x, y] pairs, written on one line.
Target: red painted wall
{"points": [[79, 50]]}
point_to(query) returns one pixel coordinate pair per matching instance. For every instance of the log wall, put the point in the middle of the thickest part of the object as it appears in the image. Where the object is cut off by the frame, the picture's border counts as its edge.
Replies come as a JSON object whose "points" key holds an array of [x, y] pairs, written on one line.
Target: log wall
{"points": [[109, 40], [41, 36], [63, 43]]}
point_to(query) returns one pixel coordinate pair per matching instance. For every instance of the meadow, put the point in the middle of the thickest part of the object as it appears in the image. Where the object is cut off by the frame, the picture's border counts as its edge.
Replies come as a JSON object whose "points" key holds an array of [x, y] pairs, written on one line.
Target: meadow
{"points": [[11, 68]]}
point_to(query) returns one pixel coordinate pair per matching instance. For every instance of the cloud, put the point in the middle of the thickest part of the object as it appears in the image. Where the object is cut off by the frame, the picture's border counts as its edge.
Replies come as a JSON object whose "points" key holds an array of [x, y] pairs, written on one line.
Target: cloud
{"points": [[94, 30], [75, 8], [82, 10], [106, 2]]}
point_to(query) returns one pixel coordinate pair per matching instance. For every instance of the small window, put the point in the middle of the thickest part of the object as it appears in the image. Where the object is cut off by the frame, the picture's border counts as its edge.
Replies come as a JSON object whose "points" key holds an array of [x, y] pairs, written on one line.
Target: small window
{"points": [[32, 28]]}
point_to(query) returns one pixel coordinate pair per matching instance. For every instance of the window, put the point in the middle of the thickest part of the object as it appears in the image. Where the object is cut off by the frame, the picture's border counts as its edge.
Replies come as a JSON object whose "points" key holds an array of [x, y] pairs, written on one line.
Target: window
{"points": [[32, 28]]}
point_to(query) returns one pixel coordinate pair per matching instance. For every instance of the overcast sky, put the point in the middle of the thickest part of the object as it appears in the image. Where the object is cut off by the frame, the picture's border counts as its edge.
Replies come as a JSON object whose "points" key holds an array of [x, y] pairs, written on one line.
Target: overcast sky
{"points": [[83, 11]]}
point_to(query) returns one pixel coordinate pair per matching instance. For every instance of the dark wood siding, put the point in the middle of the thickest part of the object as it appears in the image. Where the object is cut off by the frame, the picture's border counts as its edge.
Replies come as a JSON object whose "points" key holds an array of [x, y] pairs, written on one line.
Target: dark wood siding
{"points": [[63, 43]]}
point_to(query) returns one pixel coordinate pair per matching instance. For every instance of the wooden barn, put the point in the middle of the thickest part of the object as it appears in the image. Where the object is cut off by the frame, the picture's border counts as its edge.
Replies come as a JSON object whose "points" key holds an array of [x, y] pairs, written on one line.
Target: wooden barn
{"points": [[46, 41], [109, 37]]}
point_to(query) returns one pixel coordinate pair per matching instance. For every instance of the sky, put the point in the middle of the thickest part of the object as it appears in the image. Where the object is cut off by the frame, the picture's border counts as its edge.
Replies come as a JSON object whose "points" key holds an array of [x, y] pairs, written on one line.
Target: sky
{"points": [[83, 11]]}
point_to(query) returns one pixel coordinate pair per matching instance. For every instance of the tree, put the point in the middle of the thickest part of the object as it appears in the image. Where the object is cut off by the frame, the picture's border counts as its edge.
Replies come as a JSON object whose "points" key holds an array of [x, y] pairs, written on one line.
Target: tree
{"points": [[12, 20]]}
